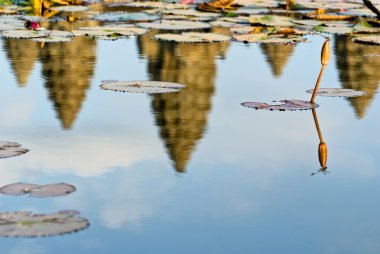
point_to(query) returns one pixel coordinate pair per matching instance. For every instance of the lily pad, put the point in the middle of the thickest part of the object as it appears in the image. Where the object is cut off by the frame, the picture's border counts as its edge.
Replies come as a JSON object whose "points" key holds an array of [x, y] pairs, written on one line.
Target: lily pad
{"points": [[17, 189], [156, 5], [24, 34], [193, 37], [176, 25], [141, 86], [35, 190], [110, 30], [283, 105], [56, 36], [271, 20], [337, 92], [70, 8], [227, 24], [334, 29], [265, 38], [193, 13], [10, 149], [27, 224], [370, 39], [126, 16]]}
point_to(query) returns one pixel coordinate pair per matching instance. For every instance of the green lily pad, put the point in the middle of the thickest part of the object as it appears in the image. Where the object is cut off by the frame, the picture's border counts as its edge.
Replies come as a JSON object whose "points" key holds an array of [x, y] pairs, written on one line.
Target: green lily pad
{"points": [[370, 39], [156, 5], [193, 13], [284, 105], [271, 20], [150, 87], [126, 16], [10, 149], [334, 29], [193, 37], [337, 92], [24, 34], [70, 8], [110, 31], [265, 38], [176, 25], [27, 224], [56, 36]]}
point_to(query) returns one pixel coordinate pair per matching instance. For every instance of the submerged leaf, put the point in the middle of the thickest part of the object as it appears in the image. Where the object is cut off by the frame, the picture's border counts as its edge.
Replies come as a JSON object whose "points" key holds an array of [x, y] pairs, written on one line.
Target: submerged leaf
{"points": [[193, 37], [141, 86], [35, 190], [26, 224], [10, 149], [337, 92], [283, 106]]}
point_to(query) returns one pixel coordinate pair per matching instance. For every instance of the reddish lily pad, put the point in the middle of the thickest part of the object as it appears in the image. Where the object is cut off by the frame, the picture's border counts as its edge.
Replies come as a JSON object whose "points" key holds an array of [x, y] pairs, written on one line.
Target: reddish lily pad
{"points": [[10, 149], [337, 92], [284, 105], [27, 224], [141, 86], [35, 190], [17, 189]]}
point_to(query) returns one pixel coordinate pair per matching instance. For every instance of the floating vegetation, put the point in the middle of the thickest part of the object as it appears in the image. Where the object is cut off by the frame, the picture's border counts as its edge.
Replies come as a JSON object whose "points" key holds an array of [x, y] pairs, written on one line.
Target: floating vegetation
{"points": [[10, 149], [271, 20], [70, 8], [35, 190], [126, 16], [284, 105], [227, 24], [24, 34], [56, 36], [337, 92], [267, 38], [365, 27], [312, 23], [112, 31], [27, 224], [150, 87], [176, 25], [193, 37], [334, 29], [193, 13], [237, 20], [370, 39], [251, 11], [157, 5]]}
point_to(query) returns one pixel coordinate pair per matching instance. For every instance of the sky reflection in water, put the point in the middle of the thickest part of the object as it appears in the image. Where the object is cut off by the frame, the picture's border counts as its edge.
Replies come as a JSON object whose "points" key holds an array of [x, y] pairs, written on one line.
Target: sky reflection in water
{"points": [[247, 186]]}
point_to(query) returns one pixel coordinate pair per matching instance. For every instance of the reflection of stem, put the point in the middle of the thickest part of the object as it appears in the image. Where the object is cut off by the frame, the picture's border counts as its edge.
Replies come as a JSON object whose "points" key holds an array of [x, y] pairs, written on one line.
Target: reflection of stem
{"points": [[317, 84], [317, 125]]}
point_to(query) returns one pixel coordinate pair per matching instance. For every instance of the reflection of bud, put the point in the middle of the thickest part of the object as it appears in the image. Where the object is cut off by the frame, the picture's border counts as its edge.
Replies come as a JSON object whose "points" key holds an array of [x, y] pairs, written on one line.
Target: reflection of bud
{"points": [[322, 154], [325, 53]]}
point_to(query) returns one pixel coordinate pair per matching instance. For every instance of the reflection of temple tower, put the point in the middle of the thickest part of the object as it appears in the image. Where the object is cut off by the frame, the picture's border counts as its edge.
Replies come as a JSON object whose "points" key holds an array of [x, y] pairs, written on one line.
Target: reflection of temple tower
{"points": [[22, 55], [357, 71], [67, 69], [277, 56], [182, 116]]}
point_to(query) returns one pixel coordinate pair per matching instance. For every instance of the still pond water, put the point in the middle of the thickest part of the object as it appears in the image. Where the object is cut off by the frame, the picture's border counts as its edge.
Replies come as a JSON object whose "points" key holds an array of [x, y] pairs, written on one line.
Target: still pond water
{"points": [[193, 172]]}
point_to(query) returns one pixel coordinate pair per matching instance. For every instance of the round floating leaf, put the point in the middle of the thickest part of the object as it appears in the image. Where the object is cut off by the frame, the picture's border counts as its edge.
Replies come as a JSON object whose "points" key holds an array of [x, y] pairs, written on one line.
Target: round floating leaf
{"points": [[35, 190], [251, 11], [24, 34], [271, 20], [110, 31], [125, 16], [271, 39], [141, 86], [52, 190], [193, 37], [176, 25], [17, 189], [226, 24], [56, 36], [191, 12], [26, 224], [282, 106], [157, 5], [70, 8], [365, 27], [370, 39], [186, 18], [10, 149], [337, 92], [334, 29]]}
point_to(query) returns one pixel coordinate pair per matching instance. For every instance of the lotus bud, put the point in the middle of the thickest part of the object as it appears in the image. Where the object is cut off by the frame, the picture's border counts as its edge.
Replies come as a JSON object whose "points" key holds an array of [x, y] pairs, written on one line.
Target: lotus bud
{"points": [[322, 155], [325, 54]]}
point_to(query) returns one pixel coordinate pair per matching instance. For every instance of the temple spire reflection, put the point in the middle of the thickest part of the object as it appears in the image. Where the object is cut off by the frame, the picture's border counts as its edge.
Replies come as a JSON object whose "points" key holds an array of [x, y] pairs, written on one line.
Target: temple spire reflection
{"points": [[182, 117], [277, 56], [358, 71]]}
